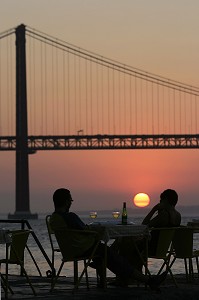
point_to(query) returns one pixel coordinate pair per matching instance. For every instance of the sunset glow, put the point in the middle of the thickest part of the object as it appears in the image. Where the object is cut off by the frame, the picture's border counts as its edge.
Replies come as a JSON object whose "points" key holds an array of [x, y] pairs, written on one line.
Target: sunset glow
{"points": [[95, 94], [141, 200]]}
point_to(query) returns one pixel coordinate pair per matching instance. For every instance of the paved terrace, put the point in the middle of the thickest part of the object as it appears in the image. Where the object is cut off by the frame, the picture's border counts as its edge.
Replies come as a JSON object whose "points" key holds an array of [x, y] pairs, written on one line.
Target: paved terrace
{"points": [[63, 290]]}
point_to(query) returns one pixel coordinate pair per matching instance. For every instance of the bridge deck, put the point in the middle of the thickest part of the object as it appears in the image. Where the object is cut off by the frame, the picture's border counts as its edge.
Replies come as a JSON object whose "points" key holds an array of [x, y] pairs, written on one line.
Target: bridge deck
{"points": [[103, 142]]}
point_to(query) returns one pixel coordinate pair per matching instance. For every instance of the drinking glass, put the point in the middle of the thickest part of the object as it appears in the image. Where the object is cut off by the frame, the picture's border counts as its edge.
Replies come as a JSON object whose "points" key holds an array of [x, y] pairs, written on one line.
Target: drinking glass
{"points": [[93, 214], [116, 214]]}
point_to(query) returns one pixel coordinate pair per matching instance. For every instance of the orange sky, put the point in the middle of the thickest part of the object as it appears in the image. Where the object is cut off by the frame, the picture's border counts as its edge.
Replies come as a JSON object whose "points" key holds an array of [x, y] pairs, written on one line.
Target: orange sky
{"points": [[156, 36]]}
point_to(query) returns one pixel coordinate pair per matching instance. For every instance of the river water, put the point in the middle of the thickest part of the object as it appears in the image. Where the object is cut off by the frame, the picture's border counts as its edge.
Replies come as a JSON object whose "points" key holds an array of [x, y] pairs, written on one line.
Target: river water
{"points": [[39, 227]]}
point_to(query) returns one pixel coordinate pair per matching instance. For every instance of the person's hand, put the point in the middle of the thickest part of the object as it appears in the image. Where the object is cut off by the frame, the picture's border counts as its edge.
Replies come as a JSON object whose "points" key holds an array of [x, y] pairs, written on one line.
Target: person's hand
{"points": [[157, 207]]}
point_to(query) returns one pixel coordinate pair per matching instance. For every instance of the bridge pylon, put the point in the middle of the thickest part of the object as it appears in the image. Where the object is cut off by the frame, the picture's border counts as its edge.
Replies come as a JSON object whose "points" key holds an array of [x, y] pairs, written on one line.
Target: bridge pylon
{"points": [[22, 162]]}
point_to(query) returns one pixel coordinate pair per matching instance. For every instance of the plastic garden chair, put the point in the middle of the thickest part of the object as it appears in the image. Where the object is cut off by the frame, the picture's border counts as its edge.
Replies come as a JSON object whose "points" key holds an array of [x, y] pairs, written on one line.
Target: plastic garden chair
{"points": [[183, 249], [160, 247], [15, 254], [75, 246], [53, 243]]}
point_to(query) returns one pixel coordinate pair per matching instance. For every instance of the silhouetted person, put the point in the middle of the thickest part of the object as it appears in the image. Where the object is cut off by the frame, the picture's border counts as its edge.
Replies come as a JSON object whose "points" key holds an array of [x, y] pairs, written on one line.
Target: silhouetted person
{"points": [[166, 214]]}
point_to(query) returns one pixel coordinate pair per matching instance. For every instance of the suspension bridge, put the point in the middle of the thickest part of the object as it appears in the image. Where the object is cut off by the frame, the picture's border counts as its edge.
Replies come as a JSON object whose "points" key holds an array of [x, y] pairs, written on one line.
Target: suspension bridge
{"points": [[57, 96]]}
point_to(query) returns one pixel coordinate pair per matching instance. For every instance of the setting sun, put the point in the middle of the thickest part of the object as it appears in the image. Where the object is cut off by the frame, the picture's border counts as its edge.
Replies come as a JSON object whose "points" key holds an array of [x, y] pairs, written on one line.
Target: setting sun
{"points": [[141, 200]]}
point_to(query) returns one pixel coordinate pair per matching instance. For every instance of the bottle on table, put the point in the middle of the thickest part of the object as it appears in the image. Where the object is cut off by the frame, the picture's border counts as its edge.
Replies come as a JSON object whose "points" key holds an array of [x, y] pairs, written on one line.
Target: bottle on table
{"points": [[124, 214]]}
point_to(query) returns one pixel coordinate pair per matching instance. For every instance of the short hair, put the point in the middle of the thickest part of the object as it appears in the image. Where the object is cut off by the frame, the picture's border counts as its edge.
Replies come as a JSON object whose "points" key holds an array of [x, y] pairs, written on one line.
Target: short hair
{"points": [[171, 196], [60, 197]]}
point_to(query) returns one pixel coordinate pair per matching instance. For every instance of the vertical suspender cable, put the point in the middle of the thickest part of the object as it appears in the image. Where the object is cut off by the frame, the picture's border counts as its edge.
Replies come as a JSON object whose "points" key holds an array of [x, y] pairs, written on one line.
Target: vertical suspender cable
{"points": [[1, 133], [108, 100], [113, 87], [91, 97], [185, 114], [68, 87], [79, 95], [102, 101], [180, 112], [34, 89], [130, 110], [8, 85], [30, 120], [64, 93], [141, 106], [196, 113], [41, 87], [158, 108], [12, 87], [136, 110], [191, 114], [45, 90], [86, 95], [163, 110], [57, 91], [119, 104], [174, 115], [75, 92], [152, 107], [147, 107], [124, 93], [97, 95], [53, 94]]}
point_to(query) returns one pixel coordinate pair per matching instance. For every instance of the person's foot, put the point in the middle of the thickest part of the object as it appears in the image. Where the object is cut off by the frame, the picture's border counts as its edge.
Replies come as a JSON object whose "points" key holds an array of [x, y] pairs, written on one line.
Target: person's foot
{"points": [[93, 265], [155, 281]]}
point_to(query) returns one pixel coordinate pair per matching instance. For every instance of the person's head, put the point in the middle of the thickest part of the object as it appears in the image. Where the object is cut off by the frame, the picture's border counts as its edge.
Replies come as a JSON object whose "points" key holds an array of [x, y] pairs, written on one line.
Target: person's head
{"points": [[170, 196], [62, 199]]}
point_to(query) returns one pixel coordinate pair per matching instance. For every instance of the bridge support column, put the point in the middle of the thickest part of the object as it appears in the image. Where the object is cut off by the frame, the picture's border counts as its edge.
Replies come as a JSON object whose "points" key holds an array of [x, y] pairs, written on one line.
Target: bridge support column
{"points": [[22, 163]]}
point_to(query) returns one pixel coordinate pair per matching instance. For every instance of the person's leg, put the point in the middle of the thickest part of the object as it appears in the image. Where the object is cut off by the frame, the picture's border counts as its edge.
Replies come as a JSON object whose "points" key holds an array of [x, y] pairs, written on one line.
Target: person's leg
{"points": [[133, 250], [120, 266]]}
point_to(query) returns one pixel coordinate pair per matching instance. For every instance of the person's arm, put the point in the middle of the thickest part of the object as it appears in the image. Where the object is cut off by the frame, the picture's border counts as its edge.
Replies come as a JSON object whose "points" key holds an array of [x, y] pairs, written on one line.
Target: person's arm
{"points": [[75, 222], [150, 215], [161, 220]]}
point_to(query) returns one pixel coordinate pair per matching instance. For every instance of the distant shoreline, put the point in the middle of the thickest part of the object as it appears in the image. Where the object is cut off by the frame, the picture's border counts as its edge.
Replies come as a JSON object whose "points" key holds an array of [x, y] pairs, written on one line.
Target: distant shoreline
{"points": [[186, 211]]}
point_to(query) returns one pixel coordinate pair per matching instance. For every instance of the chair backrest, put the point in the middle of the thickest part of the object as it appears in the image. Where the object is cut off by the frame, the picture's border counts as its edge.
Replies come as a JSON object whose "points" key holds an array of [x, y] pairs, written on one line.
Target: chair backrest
{"points": [[54, 221], [183, 242], [18, 244], [74, 244], [50, 232], [160, 242]]}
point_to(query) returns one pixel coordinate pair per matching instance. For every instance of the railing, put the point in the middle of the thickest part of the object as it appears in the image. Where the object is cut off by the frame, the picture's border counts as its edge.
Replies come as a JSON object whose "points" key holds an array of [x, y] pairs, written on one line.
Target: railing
{"points": [[25, 224]]}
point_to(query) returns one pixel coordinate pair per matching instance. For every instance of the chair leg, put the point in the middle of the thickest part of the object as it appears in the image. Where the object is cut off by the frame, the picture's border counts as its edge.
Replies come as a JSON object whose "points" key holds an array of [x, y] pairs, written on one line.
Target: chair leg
{"points": [[25, 273], [86, 273], [36, 265], [86, 264], [28, 279], [197, 264], [168, 269], [75, 272], [186, 270], [4, 285], [191, 271], [54, 279]]}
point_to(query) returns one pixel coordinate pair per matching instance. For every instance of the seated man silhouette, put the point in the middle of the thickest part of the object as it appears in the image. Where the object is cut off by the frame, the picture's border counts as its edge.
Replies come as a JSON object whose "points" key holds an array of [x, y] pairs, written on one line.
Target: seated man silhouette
{"points": [[161, 215], [166, 214], [116, 263]]}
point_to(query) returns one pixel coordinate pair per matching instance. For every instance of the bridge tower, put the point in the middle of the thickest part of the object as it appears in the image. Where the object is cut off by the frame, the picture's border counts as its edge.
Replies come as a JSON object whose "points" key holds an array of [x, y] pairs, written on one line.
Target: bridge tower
{"points": [[22, 152]]}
